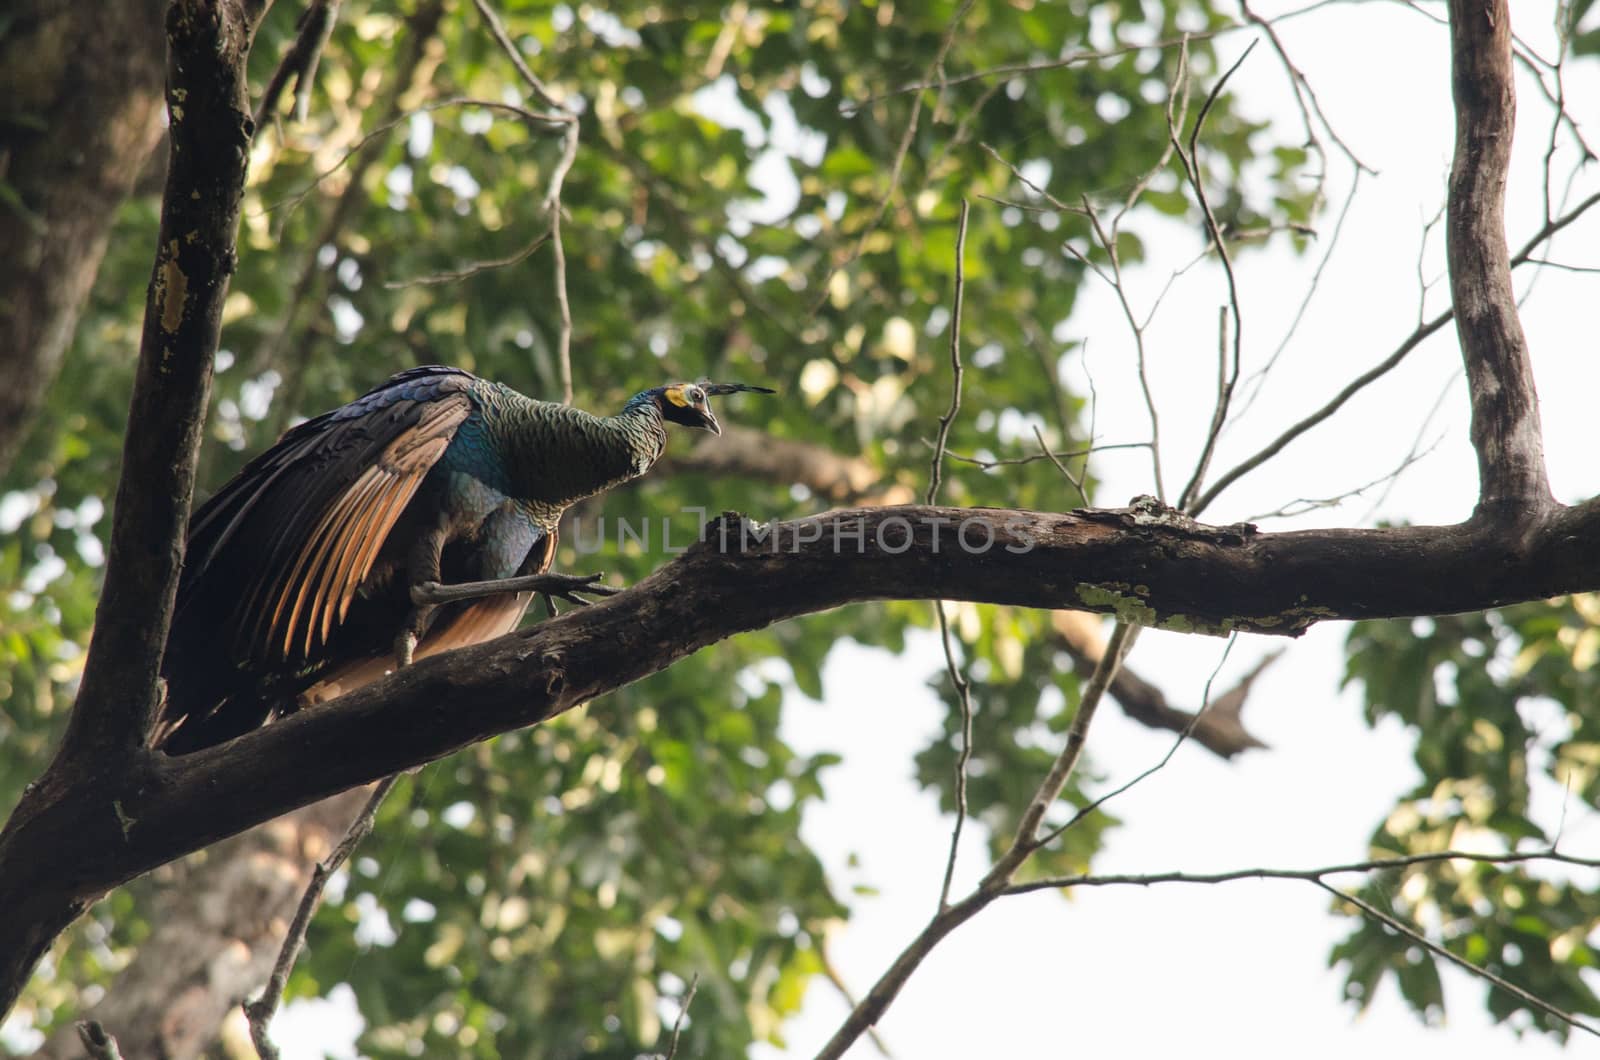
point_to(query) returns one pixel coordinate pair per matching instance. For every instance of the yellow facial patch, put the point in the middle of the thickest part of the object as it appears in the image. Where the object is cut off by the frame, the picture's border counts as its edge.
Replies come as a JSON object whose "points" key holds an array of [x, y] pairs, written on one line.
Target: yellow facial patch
{"points": [[674, 394]]}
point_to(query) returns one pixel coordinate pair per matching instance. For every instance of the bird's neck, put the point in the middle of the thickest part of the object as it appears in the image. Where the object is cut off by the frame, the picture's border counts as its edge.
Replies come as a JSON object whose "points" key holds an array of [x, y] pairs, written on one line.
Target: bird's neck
{"points": [[564, 454]]}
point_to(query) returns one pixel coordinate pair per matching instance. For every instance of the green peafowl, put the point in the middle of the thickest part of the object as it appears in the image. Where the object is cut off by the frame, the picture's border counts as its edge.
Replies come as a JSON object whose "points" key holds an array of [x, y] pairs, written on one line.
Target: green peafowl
{"points": [[340, 552]]}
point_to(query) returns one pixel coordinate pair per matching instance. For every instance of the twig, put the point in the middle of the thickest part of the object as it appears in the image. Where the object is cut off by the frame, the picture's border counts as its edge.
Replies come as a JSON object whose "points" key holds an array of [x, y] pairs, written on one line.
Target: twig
{"points": [[260, 1011], [1228, 375], [454, 275], [1515, 857], [1378, 371], [1183, 737], [97, 1041], [1108, 243], [300, 61], [1219, 728], [552, 199], [1318, 876], [1259, 376], [957, 372], [563, 305], [1034, 458], [1400, 926], [1301, 505], [854, 107], [683, 1010], [1305, 98], [507, 45], [389, 124], [936, 478], [1563, 265], [995, 882], [309, 284], [1077, 483]]}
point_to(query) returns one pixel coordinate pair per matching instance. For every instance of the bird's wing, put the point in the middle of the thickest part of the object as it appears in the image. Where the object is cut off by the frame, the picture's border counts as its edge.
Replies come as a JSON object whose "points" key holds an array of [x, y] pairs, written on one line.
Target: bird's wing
{"points": [[459, 625], [289, 540]]}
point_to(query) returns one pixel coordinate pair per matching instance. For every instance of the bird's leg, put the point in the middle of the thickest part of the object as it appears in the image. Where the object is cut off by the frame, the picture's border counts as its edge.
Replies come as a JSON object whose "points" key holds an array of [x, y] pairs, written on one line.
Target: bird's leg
{"points": [[566, 586], [422, 568]]}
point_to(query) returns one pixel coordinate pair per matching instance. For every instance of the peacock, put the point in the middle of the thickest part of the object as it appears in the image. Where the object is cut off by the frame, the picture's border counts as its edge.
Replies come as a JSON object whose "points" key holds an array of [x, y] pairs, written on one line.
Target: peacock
{"points": [[360, 540]]}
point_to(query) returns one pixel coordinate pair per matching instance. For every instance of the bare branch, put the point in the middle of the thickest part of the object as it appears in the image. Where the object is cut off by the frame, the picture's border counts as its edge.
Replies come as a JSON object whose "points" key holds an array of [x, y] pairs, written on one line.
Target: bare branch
{"points": [[1228, 374], [1039, 66], [683, 1010], [1382, 368], [466, 271], [1318, 877], [951, 916], [1219, 728], [552, 198], [1108, 243], [300, 61], [308, 289], [262, 1009], [1183, 738], [1394, 923], [958, 680]]}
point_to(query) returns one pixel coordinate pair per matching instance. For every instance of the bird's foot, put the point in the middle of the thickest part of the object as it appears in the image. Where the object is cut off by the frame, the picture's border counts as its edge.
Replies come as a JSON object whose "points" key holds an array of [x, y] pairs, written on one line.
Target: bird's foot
{"points": [[566, 586]]}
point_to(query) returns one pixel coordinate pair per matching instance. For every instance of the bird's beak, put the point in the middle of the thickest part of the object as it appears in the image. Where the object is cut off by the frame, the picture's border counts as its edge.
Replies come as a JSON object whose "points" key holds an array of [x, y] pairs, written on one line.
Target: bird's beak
{"points": [[708, 422]]}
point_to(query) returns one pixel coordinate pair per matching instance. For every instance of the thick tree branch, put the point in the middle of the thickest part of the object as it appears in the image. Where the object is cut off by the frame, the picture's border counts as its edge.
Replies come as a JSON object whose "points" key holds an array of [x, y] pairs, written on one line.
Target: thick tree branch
{"points": [[1505, 407], [211, 131], [72, 842]]}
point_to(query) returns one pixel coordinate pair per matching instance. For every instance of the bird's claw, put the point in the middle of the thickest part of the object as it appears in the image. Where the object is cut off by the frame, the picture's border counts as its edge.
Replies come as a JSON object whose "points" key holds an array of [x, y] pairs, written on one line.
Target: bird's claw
{"points": [[567, 586]]}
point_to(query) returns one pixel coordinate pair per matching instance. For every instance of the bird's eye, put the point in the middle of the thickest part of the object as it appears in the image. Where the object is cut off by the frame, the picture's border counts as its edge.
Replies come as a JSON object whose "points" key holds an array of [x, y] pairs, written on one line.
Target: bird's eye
{"points": [[694, 394]]}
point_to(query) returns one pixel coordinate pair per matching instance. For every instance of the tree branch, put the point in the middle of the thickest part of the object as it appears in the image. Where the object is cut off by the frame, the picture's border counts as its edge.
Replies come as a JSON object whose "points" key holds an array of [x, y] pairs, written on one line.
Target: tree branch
{"points": [[260, 1011], [1505, 407], [1219, 728]]}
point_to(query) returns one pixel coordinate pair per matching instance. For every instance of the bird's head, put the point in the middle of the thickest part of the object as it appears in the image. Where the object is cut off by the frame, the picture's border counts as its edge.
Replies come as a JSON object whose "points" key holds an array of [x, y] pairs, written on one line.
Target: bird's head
{"points": [[690, 403]]}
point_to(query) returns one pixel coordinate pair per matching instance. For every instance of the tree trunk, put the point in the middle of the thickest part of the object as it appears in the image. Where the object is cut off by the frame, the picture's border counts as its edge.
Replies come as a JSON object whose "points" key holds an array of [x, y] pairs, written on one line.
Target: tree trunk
{"points": [[219, 922], [80, 112]]}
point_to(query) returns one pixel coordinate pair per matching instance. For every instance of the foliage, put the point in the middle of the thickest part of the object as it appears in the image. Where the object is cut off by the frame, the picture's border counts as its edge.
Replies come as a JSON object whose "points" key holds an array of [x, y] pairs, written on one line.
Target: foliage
{"points": [[1507, 702]]}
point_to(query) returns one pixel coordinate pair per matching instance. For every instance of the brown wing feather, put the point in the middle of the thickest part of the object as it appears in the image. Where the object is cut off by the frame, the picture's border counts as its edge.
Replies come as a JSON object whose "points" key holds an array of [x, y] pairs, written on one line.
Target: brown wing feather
{"points": [[484, 620], [307, 603]]}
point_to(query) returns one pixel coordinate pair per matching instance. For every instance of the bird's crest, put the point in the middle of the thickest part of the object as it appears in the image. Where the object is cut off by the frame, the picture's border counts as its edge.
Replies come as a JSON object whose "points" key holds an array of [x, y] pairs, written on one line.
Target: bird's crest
{"points": [[734, 388], [683, 394]]}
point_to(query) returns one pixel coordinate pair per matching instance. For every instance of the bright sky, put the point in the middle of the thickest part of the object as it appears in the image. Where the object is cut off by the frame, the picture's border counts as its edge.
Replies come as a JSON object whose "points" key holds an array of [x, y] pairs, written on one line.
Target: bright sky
{"points": [[1240, 967]]}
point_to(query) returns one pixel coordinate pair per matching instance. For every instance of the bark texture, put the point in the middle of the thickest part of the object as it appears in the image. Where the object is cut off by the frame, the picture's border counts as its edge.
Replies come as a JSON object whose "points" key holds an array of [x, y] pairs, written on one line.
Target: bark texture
{"points": [[80, 112], [1505, 405]]}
